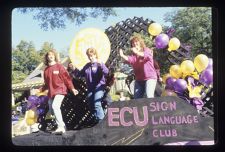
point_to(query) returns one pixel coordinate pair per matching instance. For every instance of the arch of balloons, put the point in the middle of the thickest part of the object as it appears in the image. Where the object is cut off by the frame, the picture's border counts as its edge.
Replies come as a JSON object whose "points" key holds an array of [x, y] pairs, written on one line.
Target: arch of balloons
{"points": [[189, 80]]}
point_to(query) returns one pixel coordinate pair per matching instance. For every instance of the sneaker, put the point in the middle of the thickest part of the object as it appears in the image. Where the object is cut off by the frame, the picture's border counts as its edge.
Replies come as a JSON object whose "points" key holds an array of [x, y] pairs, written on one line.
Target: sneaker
{"points": [[59, 130]]}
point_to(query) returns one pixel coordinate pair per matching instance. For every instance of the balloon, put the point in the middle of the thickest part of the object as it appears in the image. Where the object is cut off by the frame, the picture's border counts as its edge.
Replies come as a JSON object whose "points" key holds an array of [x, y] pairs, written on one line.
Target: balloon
{"points": [[168, 93], [155, 29], [161, 41], [84, 39], [175, 71], [180, 85], [43, 99], [169, 82], [31, 114], [174, 44], [201, 62], [30, 121], [210, 64], [206, 77], [33, 99], [187, 67], [165, 77], [40, 111], [42, 93]]}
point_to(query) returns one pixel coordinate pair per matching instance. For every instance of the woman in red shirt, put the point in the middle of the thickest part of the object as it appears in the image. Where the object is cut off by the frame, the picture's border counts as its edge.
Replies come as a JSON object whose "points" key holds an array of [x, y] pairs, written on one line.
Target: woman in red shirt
{"points": [[57, 82]]}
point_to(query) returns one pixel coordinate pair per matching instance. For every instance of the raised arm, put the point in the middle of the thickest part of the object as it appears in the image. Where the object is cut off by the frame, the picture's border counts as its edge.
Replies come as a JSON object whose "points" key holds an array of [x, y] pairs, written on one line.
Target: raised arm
{"points": [[123, 56]]}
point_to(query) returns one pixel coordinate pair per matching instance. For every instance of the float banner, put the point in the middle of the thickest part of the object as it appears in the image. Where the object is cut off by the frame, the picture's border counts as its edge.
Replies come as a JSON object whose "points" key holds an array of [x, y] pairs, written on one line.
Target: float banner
{"points": [[153, 121]]}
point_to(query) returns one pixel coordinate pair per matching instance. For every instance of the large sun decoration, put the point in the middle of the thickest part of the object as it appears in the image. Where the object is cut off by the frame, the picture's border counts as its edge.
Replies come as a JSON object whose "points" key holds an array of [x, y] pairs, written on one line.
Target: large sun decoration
{"points": [[86, 38]]}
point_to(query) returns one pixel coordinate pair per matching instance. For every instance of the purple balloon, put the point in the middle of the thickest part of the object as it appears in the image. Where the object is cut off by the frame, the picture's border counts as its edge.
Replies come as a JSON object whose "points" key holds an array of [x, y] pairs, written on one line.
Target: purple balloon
{"points": [[168, 88], [40, 111], [33, 99], [210, 64], [169, 82], [161, 41], [43, 99], [180, 85], [206, 77]]}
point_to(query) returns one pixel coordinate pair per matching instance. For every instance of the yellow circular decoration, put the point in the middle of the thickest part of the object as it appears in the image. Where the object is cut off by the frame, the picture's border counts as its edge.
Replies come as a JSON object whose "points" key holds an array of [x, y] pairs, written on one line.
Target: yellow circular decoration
{"points": [[175, 71], [31, 121], [87, 38], [174, 44], [187, 67], [155, 29], [31, 114], [201, 62]]}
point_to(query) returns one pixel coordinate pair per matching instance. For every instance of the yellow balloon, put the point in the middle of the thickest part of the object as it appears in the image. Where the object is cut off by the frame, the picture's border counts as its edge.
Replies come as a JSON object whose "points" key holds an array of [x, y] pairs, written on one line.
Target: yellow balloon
{"points": [[30, 121], [175, 71], [201, 62], [174, 44], [187, 67], [165, 76], [31, 114], [87, 38], [42, 93], [155, 29], [168, 93]]}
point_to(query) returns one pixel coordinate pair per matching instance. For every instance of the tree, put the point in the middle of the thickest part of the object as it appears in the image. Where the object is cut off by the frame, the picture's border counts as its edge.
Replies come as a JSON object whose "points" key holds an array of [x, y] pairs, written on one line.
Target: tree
{"points": [[45, 48], [24, 60], [193, 26], [57, 17]]}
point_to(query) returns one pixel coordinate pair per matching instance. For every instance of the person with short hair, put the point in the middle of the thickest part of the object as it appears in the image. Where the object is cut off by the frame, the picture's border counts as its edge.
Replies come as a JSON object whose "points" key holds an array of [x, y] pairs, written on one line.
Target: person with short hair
{"points": [[95, 73]]}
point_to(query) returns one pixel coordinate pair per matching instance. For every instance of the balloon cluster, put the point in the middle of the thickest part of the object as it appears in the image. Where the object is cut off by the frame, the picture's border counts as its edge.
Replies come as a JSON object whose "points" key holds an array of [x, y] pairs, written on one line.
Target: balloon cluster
{"points": [[162, 40], [37, 107], [189, 79]]}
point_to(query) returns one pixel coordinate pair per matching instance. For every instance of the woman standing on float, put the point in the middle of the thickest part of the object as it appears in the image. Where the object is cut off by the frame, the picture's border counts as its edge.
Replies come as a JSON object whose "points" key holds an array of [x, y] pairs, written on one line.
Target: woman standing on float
{"points": [[142, 62], [94, 73], [57, 82]]}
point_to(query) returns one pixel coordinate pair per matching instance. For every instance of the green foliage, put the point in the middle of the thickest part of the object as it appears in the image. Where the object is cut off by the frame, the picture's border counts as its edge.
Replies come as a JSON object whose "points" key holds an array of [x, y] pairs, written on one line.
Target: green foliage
{"points": [[45, 48], [16, 105], [55, 18], [18, 76], [193, 26], [25, 59]]}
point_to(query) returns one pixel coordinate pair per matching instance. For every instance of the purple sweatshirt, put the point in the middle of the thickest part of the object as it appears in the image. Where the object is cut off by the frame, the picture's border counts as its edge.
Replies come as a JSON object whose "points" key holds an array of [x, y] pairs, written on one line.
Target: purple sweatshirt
{"points": [[94, 74], [143, 66]]}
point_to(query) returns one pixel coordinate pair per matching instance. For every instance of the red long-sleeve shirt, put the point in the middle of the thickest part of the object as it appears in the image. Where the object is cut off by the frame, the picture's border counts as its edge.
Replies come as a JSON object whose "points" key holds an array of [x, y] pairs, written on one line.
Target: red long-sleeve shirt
{"points": [[57, 80]]}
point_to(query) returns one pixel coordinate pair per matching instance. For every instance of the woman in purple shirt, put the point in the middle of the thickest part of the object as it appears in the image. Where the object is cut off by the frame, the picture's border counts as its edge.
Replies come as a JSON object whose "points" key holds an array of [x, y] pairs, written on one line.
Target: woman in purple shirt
{"points": [[142, 62], [94, 73]]}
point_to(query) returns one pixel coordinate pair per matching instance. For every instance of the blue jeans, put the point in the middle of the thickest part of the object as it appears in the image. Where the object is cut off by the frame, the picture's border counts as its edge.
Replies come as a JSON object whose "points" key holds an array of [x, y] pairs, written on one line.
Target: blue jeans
{"points": [[146, 86], [95, 97]]}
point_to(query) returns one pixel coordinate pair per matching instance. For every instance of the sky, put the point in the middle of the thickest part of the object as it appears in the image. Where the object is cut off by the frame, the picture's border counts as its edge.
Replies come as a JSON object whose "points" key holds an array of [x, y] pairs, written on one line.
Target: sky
{"points": [[24, 27]]}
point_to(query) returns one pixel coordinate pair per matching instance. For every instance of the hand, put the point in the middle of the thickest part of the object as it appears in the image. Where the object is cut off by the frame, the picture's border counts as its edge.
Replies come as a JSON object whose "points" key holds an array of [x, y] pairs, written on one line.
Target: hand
{"points": [[121, 52], [160, 79], [75, 92], [134, 50]]}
